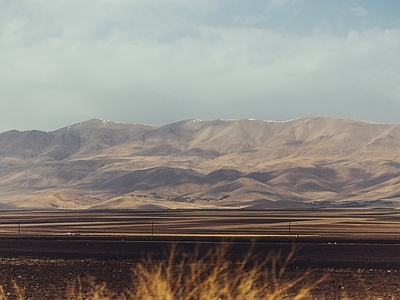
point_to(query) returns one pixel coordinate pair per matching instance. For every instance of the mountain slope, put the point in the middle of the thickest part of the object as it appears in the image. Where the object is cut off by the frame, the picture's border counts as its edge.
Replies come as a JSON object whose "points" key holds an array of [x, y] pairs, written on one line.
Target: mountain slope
{"points": [[224, 162]]}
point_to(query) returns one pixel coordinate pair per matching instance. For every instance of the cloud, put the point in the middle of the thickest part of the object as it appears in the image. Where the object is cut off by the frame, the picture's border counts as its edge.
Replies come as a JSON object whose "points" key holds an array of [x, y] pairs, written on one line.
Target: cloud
{"points": [[361, 12], [144, 63], [249, 20]]}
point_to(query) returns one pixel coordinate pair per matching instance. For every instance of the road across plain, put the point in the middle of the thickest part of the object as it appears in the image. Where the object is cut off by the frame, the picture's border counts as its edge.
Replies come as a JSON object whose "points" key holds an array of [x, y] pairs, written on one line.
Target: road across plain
{"points": [[313, 253]]}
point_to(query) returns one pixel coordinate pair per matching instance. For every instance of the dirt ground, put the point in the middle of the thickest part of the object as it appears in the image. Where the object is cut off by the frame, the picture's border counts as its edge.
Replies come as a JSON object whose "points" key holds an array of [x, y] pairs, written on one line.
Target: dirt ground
{"points": [[49, 278], [46, 267], [358, 250]]}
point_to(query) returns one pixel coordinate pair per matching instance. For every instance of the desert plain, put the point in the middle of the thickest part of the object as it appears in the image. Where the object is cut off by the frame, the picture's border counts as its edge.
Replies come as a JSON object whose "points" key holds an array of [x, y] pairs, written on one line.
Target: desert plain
{"points": [[355, 250]]}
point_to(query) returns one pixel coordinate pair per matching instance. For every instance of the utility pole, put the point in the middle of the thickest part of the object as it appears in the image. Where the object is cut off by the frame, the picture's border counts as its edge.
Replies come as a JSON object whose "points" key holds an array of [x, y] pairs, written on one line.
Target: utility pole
{"points": [[289, 228], [19, 228], [152, 230]]}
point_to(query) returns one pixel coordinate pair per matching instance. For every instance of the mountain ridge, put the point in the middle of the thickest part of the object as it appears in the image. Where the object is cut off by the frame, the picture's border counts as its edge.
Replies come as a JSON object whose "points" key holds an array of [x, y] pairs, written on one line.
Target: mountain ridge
{"points": [[202, 162]]}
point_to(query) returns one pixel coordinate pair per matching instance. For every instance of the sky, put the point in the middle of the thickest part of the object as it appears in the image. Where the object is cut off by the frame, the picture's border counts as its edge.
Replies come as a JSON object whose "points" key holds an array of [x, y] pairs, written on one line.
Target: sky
{"points": [[161, 61]]}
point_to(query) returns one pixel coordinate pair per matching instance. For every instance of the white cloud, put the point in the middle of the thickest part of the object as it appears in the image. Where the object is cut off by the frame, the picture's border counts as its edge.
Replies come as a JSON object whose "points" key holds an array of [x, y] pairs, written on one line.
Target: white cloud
{"points": [[130, 62], [360, 11], [249, 20]]}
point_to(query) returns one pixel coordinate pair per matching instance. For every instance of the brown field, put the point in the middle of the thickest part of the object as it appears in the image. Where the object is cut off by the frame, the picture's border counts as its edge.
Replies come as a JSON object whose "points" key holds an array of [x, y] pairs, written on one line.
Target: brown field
{"points": [[327, 223], [357, 249]]}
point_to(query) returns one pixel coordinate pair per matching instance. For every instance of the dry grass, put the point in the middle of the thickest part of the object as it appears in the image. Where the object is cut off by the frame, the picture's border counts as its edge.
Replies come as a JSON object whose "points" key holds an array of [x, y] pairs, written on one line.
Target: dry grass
{"points": [[211, 276], [201, 275]]}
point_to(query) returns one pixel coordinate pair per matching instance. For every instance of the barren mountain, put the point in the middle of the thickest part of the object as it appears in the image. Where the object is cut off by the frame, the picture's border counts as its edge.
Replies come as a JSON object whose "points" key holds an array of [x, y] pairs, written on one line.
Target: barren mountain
{"points": [[193, 163]]}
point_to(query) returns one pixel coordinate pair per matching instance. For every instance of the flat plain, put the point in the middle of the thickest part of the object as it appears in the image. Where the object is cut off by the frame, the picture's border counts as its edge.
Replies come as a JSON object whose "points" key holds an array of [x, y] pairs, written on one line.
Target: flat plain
{"points": [[323, 223], [44, 251]]}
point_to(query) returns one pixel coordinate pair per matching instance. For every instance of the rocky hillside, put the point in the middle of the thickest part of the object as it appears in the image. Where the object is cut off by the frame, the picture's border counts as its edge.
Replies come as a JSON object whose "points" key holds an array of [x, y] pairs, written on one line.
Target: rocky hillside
{"points": [[193, 163]]}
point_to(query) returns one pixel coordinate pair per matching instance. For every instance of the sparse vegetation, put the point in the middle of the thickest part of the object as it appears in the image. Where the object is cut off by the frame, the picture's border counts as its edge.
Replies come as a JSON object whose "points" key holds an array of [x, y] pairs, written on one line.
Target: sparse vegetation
{"points": [[211, 276], [207, 161], [201, 275]]}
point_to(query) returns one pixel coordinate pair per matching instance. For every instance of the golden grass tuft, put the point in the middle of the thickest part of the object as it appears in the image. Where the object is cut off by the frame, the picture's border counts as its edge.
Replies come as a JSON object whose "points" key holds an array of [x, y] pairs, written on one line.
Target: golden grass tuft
{"points": [[87, 288], [202, 275], [212, 276]]}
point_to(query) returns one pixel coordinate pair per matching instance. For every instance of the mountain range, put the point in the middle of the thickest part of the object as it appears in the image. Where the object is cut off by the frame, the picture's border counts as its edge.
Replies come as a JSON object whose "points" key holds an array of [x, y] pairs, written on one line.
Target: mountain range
{"points": [[254, 164]]}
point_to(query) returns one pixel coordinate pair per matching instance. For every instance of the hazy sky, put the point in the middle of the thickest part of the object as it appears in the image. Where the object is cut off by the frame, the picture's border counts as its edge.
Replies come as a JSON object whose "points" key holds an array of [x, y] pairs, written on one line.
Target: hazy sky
{"points": [[161, 61]]}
